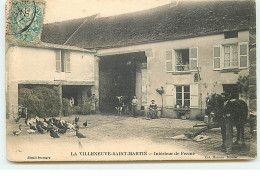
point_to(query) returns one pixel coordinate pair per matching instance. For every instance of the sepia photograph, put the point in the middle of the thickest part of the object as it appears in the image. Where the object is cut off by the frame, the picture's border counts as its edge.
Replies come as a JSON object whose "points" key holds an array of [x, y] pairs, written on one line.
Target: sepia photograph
{"points": [[121, 80]]}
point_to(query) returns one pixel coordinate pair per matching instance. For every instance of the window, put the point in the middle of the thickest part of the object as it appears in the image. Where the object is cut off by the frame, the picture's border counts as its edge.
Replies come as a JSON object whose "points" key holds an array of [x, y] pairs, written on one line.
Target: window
{"points": [[58, 60], [182, 60], [232, 90], [183, 96], [193, 59], [231, 34], [217, 56], [62, 61], [243, 55], [230, 56], [68, 62], [169, 61]]}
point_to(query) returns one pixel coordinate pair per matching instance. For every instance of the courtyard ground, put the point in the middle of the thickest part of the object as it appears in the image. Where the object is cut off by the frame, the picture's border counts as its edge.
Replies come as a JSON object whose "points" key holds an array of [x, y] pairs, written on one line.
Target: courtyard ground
{"points": [[120, 134]]}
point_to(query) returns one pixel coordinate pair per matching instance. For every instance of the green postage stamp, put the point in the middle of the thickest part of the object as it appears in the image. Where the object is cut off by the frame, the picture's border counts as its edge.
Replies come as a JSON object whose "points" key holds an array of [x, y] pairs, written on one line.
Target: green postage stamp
{"points": [[25, 20]]}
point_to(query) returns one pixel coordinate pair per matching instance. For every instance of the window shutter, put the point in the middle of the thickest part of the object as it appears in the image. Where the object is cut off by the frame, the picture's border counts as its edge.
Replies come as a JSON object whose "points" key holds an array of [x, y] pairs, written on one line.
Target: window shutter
{"points": [[58, 60], [170, 95], [216, 57], [170, 65], [193, 58], [194, 95], [68, 68], [243, 55]]}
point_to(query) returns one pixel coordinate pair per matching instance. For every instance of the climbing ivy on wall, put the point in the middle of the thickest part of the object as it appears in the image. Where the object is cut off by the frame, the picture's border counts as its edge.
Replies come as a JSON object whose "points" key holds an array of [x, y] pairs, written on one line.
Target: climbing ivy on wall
{"points": [[243, 85], [40, 101]]}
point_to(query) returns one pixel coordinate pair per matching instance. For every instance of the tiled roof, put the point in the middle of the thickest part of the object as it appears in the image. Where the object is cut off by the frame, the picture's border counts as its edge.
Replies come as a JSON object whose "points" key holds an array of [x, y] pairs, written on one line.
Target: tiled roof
{"points": [[60, 32], [168, 22]]}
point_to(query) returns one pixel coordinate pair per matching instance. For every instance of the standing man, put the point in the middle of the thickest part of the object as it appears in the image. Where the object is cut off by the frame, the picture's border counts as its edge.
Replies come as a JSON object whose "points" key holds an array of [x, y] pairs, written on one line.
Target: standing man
{"points": [[134, 105], [93, 104], [71, 101]]}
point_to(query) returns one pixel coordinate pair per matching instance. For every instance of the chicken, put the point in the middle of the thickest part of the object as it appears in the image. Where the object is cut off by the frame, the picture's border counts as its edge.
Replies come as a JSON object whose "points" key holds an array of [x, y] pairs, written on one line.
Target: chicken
{"points": [[44, 125], [40, 128], [62, 131], [79, 135], [31, 131], [85, 123], [18, 132], [32, 127], [70, 126], [76, 119], [54, 134]]}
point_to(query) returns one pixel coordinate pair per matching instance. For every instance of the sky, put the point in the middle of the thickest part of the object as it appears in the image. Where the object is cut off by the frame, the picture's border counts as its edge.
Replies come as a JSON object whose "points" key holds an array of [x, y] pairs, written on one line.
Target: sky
{"points": [[60, 10]]}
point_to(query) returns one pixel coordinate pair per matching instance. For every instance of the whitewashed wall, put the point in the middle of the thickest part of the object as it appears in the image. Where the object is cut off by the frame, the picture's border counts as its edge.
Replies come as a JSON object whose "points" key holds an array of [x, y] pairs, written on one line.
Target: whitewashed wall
{"points": [[157, 76]]}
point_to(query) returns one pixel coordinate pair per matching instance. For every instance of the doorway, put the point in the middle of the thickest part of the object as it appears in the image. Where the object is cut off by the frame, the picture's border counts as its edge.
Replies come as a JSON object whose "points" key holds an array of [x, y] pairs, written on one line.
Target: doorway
{"points": [[120, 75], [232, 90]]}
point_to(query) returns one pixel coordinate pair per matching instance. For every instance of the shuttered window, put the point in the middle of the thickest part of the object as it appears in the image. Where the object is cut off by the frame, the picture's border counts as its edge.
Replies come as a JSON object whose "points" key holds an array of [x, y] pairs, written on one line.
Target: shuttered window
{"points": [[243, 55], [169, 60], [216, 57], [194, 95], [193, 59], [67, 59], [63, 61], [58, 60], [183, 96], [230, 56], [170, 95]]}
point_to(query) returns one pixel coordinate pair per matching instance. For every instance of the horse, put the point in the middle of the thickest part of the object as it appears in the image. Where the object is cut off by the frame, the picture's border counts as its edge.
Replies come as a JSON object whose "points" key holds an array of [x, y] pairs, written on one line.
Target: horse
{"points": [[228, 113]]}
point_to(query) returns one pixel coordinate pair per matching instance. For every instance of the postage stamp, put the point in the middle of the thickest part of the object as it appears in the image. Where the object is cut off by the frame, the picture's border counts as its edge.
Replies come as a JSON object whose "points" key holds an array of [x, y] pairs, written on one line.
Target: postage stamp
{"points": [[154, 80], [25, 20]]}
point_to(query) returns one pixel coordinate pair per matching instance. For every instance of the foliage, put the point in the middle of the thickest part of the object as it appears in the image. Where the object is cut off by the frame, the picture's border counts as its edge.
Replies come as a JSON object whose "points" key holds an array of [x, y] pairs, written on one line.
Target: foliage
{"points": [[243, 84], [40, 101], [77, 110], [86, 108], [66, 108]]}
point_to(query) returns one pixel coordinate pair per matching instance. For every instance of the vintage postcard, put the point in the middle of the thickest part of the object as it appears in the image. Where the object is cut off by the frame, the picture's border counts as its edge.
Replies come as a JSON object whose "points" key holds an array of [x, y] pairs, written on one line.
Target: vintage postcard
{"points": [[121, 80]]}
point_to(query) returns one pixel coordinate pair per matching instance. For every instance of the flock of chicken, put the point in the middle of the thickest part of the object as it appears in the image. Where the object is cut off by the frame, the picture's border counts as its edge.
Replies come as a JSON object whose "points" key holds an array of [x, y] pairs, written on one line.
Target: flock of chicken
{"points": [[53, 125]]}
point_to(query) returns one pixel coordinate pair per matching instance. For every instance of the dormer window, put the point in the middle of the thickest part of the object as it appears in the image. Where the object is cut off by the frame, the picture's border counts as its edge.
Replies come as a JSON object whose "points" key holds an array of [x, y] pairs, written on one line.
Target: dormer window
{"points": [[231, 34]]}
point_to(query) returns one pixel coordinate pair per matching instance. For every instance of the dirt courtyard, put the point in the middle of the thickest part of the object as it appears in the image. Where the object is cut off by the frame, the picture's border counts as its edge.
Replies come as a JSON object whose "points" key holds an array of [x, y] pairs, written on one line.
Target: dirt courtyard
{"points": [[119, 133]]}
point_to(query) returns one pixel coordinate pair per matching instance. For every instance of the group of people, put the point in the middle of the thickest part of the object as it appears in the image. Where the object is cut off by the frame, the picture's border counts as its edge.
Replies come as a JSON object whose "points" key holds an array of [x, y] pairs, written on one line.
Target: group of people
{"points": [[152, 111]]}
